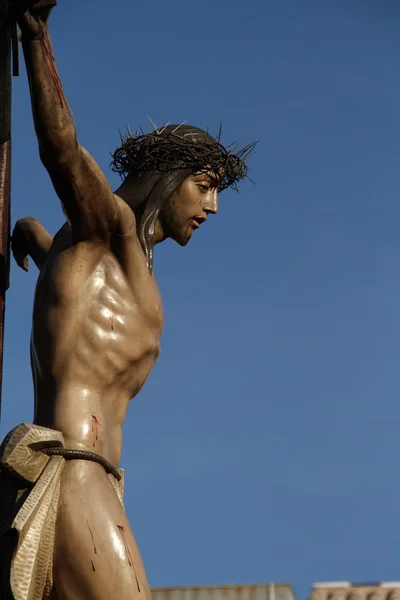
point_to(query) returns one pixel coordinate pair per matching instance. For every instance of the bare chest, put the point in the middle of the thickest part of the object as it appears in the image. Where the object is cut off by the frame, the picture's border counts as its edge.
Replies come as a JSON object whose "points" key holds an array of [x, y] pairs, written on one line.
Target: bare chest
{"points": [[88, 318]]}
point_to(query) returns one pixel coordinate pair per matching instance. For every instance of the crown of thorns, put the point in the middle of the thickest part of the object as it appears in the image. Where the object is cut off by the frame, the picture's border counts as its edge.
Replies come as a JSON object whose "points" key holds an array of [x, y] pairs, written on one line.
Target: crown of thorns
{"points": [[166, 150]]}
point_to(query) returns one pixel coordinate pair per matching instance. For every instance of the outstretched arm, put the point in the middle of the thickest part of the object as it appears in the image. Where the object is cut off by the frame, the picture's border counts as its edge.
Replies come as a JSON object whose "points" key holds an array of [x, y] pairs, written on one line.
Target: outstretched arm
{"points": [[79, 182]]}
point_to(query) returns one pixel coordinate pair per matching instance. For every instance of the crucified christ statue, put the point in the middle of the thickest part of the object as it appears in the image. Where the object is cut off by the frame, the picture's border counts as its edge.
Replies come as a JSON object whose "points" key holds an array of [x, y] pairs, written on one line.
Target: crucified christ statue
{"points": [[97, 321]]}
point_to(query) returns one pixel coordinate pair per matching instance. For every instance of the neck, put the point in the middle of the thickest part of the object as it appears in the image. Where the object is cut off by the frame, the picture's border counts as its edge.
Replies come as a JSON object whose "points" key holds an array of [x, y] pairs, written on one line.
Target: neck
{"points": [[126, 191], [129, 192]]}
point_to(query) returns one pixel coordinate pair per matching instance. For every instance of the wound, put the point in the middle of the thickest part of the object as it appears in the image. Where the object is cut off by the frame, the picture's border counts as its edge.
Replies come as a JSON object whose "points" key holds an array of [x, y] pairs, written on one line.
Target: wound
{"points": [[112, 309], [95, 429], [50, 62], [93, 567], [91, 535], [121, 529], [70, 176]]}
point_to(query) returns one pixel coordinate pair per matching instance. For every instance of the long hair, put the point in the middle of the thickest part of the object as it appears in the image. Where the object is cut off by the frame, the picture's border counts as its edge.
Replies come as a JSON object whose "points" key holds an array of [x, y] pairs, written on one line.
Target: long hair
{"points": [[155, 165], [151, 189]]}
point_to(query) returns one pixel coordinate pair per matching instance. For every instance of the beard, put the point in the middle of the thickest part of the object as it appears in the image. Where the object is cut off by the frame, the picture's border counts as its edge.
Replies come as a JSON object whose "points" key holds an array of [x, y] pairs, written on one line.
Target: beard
{"points": [[180, 233]]}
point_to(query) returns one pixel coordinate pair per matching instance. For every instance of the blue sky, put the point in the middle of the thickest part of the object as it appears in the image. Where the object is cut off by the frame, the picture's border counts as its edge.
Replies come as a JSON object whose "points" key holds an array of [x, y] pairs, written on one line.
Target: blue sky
{"points": [[265, 446]]}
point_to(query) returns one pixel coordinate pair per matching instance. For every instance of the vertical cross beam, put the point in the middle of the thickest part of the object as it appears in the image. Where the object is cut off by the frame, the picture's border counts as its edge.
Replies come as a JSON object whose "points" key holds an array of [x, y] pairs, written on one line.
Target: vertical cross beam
{"points": [[6, 24]]}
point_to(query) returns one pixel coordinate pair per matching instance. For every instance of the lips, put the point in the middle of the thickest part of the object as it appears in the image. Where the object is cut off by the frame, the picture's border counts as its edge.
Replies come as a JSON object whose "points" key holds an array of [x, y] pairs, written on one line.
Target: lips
{"points": [[198, 221]]}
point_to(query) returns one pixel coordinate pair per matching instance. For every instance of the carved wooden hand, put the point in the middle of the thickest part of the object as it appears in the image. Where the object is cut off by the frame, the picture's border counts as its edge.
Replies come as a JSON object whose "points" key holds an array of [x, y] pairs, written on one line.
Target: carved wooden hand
{"points": [[32, 16]]}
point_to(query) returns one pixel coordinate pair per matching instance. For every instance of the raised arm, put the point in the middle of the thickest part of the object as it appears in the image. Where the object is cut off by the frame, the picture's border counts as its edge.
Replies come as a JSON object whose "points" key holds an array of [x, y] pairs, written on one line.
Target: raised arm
{"points": [[79, 182]]}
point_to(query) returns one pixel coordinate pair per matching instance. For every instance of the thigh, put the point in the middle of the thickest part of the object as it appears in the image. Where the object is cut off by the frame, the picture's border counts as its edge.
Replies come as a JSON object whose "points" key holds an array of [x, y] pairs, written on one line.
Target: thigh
{"points": [[95, 554]]}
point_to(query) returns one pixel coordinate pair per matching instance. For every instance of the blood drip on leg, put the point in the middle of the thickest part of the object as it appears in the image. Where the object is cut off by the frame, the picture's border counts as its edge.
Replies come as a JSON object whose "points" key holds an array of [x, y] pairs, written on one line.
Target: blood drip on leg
{"points": [[128, 554], [95, 429]]}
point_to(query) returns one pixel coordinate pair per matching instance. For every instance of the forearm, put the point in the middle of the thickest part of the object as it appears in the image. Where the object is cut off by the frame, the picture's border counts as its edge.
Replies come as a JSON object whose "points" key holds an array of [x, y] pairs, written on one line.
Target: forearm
{"points": [[54, 124]]}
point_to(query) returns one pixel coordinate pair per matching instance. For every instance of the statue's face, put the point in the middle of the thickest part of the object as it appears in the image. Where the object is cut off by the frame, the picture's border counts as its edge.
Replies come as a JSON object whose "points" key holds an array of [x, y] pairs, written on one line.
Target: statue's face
{"points": [[188, 208]]}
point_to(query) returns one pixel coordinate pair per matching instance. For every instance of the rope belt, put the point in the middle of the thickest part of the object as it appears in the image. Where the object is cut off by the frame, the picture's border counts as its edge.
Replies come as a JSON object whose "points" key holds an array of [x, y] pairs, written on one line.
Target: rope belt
{"points": [[83, 455]]}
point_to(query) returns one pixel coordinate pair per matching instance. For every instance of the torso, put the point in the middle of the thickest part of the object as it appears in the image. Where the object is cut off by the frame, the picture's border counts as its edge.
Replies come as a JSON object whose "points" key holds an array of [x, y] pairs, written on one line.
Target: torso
{"points": [[94, 342]]}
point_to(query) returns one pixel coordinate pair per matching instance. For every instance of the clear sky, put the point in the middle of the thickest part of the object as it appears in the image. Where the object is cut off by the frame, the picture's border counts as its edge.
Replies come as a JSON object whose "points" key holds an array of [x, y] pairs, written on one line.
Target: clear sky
{"points": [[265, 446]]}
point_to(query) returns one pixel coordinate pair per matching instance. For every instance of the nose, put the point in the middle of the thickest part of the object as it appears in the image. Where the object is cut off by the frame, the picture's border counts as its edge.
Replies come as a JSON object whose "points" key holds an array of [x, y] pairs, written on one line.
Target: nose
{"points": [[211, 203]]}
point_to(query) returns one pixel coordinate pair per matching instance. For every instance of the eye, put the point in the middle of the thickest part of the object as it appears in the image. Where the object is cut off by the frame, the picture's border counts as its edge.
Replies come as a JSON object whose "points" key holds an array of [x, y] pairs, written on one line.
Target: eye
{"points": [[204, 187]]}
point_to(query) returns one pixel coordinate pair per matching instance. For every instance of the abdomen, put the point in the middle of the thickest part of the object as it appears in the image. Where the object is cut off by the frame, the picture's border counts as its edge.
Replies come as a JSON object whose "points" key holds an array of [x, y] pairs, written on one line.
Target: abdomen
{"points": [[92, 345]]}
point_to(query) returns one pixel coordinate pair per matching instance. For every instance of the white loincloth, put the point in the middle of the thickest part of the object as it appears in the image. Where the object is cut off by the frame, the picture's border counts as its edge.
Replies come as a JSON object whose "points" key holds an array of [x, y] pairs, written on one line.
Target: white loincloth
{"points": [[31, 575]]}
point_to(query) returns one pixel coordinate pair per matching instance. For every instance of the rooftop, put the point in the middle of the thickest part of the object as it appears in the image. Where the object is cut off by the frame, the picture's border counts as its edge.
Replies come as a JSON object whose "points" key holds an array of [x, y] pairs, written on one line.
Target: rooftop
{"points": [[344, 590]]}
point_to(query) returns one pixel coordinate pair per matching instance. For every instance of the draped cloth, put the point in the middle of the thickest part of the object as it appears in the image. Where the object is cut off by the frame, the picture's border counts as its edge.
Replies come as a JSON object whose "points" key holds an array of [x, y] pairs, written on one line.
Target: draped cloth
{"points": [[31, 512]]}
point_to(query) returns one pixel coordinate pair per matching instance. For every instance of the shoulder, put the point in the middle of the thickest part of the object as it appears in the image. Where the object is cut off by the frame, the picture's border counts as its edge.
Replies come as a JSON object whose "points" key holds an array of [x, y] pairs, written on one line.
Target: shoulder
{"points": [[128, 249], [126, 222]]}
